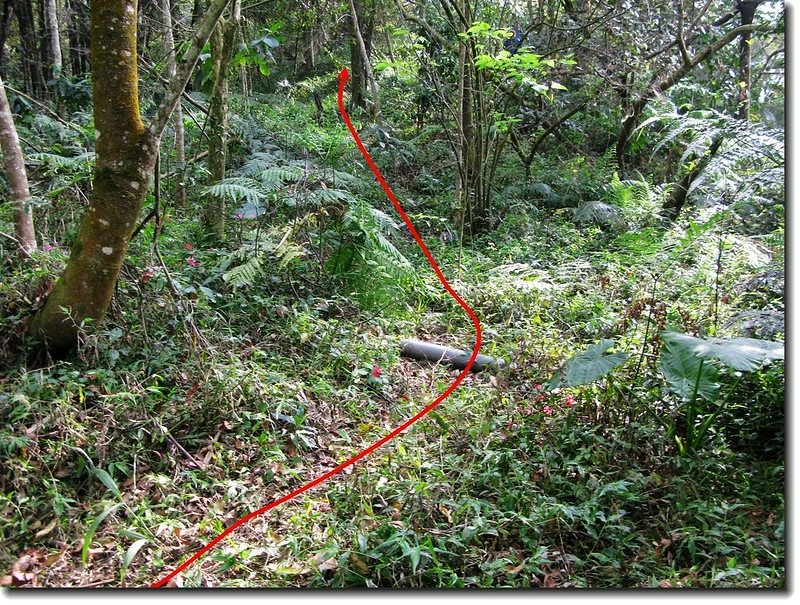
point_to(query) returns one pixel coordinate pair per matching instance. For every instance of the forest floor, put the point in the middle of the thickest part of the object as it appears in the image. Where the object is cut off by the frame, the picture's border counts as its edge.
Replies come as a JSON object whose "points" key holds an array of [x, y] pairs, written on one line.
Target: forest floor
{"points": [[184, 412]]}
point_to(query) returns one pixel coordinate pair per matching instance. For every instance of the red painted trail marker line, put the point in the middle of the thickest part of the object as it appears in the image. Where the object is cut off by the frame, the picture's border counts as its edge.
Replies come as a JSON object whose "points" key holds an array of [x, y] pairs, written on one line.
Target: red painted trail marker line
{"points": [[344, 76]]}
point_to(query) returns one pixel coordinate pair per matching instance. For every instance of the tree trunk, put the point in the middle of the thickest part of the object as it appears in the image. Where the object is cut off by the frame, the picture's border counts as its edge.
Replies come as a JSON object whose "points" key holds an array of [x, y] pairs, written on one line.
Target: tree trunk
{"points": [[747, 10], [180, 138], [358, 70], [126, 152], [426, 351], [197, 11], [364, 55], [677, 199], [5, 20], [221, 53], [55, 38], [17, 179], [33, 75], [78, 38]]}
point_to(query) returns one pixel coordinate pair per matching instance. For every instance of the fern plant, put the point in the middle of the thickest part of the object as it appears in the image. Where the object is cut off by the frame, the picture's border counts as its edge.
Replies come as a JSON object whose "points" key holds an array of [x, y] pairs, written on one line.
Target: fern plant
{"points": [[747, 172], [626, 204], [250, 260], [65, 172], [366, 233]]}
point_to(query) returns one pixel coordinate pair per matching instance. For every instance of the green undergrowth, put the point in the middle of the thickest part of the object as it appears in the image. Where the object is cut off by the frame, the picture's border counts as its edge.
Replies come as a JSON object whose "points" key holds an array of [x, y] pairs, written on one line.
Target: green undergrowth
{"points": [[209, 392]]}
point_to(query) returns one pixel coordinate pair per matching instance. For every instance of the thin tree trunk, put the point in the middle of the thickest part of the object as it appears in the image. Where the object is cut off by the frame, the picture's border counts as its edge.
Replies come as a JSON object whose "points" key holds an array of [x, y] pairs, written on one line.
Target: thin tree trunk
{"points": [[55, 37], [126, 152], [180, 138], [677, 199], [45, 44], [358, 74], [362, 49], [747, 10], [5, 20], [14, 164], [221, 51], [34, 77], [77, 37], [197, 11]]}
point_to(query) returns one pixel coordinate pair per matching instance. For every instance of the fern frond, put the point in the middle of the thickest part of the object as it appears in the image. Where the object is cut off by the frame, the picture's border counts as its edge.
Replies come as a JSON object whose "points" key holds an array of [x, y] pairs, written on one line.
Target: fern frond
{"points": [[237, 189], [279, 175], [56, 163], [598, 212], [246, 273]]}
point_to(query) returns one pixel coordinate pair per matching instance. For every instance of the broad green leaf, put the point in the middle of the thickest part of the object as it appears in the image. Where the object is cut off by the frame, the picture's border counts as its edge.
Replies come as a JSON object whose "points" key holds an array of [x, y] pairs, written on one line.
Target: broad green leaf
{"points": [[744, 354], [129, 555], [87, 540], [591, 364], [681, 368], [414, 555], [479, 27], [108, 481]]}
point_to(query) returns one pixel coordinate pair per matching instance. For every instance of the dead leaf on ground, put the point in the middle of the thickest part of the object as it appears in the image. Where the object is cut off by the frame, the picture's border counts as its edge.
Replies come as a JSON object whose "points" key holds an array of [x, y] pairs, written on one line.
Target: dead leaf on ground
{"points": [[21, 570], [359, 564], [329, 564]]}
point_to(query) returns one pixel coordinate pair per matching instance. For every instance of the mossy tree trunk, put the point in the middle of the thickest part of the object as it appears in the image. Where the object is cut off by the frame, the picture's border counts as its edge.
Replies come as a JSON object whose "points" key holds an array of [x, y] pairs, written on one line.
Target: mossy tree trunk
{"points": [[222, 40], [126, 152], [17, 177]]}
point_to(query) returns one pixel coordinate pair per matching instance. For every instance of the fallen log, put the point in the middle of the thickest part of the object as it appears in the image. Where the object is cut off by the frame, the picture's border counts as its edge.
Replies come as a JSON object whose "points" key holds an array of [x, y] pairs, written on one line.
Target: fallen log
{"points": [[425, 351]]}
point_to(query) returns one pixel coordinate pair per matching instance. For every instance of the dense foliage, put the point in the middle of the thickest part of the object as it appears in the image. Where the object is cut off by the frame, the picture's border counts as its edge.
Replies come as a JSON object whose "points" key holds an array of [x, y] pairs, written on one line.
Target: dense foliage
{"points": [[601, 181]]}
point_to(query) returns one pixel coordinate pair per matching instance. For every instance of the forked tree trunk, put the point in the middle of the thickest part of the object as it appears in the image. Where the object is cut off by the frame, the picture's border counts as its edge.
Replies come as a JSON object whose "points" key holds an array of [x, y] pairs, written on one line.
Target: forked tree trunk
{"points": [[17, 179], [677, 199], [126, 152]]}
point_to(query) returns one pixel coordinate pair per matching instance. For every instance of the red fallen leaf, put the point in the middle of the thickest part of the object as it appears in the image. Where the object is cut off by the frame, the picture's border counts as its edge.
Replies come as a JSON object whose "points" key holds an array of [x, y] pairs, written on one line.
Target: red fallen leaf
{"points": [[550, 581], [6, 581], [188, 247], [191, 393], [376, 371]]}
